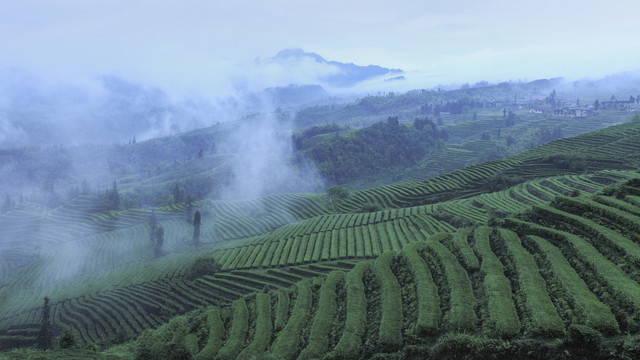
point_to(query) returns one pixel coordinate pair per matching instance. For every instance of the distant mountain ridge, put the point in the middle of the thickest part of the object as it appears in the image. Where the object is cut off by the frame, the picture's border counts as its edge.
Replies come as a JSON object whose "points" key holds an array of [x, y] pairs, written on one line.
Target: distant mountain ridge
{"points": [[348, 74]]}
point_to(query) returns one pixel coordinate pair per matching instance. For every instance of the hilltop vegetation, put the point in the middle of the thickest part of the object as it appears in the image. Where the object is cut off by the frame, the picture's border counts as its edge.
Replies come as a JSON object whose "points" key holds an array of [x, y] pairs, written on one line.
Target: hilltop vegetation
{"points": [[374, 151]]}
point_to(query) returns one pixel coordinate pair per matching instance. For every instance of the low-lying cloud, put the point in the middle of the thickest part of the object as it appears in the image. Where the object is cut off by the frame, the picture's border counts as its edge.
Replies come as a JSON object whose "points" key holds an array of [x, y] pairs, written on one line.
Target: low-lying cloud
{"points": [[264, 160], [37, 108]]}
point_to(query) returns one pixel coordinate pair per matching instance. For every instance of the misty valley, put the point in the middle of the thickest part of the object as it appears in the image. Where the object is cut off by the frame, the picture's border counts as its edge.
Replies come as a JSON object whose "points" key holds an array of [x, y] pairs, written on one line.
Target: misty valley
{"points": [[305, 221]]}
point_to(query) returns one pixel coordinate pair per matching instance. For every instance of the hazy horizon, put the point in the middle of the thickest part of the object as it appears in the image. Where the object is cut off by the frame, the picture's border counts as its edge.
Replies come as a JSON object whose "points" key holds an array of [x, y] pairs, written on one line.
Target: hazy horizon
{"points": [[210, 48], [86, 71]]}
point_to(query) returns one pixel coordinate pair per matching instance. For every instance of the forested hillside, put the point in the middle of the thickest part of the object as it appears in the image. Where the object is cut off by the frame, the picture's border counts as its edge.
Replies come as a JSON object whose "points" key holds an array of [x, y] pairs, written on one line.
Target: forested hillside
{"points": [[375, 150]]}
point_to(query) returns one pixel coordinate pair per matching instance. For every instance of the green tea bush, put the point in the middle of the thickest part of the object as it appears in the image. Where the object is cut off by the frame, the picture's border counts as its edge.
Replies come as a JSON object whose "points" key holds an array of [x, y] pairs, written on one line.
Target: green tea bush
{"points": [[355, 325], [464, 346], [338, 192], [370, 207], [237, 333], [263, 329], [390, 334], [461, 315], [202, 266], [216, 335], [502, 311], [319, 335], [545, 321], [583, 340], [67, 340], [288, 341], [576, 162], [429, 312], [166, 342]]}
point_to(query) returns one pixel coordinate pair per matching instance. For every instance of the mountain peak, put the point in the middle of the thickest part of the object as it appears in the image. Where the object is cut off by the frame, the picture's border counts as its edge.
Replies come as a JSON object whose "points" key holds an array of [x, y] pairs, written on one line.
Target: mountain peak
{"points": [[347, 74], [297, 53]]}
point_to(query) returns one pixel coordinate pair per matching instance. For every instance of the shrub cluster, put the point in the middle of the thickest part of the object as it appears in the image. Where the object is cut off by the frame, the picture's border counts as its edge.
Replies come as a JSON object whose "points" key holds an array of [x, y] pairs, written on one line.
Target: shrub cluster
{"points": [[202, 266]]}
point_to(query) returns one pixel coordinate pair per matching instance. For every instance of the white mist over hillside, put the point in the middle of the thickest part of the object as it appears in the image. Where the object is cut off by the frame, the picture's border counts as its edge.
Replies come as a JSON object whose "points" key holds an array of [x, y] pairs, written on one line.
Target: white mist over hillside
{"points": [[36, 108]]}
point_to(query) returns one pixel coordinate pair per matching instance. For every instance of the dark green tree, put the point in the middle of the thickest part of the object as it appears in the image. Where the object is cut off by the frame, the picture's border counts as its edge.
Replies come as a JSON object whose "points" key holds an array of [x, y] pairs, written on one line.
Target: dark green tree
{"points": [[596, 105], [153, 225], [45, 336], [189, 209], [67, 340], [437, 110], [197, 220], [113, 197], [511, 118], [583, 341], [157, 246], [420, 124], [202, 266], [178, 194], [369, 151], [338, 192]]}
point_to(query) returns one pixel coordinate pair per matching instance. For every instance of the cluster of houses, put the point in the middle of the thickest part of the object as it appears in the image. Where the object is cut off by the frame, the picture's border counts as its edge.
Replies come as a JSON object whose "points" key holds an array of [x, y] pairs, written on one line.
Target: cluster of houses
{"points": [[567, 111], [539, 104], [628, 105], [577, 110]]}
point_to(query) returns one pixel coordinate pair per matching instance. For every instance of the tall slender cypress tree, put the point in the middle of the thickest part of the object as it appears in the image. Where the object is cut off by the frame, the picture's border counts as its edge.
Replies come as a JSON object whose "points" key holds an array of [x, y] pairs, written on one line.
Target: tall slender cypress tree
{"points": [[153, 224], [157, 248], [45, 336], [196, 227]]}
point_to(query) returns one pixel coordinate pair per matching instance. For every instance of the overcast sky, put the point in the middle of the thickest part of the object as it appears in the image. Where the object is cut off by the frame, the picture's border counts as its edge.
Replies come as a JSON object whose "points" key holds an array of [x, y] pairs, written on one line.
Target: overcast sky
{"points": [[195, 44]]}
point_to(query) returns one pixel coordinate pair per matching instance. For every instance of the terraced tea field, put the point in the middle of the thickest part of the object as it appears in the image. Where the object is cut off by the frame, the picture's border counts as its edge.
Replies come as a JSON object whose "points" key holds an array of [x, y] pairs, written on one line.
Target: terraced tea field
{"points": [[468, 149], [606, 149], [298, 278], [536, 276], [294, 252]]}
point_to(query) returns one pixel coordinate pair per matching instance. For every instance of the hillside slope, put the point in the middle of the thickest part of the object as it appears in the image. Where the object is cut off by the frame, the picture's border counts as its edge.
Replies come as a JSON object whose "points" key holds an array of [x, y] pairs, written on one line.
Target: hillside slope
{"points": [[275, 242], [555, 282]]}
